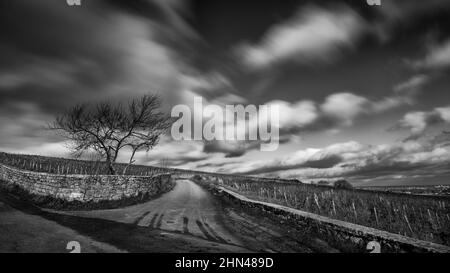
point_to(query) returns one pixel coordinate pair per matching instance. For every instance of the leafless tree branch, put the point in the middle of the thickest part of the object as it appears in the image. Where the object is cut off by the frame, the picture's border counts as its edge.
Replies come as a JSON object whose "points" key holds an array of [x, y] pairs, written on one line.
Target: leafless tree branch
{"points": [[107, 128]]}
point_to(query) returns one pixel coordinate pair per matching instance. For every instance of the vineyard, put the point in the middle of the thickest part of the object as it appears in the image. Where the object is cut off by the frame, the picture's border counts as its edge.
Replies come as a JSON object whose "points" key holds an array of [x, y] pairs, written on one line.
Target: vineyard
{"points": [[63, 166], [420, 217], [72, 166]]}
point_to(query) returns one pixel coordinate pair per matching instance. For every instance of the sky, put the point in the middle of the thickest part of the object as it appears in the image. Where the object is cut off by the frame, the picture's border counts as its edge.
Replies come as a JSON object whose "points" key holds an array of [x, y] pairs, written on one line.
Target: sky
{"points": [[363, 91]]}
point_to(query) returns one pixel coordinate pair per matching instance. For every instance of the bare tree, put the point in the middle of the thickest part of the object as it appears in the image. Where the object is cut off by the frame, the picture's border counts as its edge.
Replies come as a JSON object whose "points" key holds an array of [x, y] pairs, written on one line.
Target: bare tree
{"points": [[107, 128]]}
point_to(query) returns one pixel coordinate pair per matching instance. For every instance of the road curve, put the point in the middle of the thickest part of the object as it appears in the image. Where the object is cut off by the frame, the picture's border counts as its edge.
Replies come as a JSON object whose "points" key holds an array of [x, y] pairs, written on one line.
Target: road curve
{"points": [[187, 209], [185, 220]]}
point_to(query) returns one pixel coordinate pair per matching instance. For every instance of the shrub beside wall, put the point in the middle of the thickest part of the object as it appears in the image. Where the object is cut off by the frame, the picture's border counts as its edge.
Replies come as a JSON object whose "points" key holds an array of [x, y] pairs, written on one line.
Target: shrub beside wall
{"points": [[84, 189]]}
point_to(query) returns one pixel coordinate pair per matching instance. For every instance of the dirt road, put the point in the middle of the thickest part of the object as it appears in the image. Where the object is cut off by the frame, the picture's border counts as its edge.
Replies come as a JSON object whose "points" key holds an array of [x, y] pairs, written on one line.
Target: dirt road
{"points": [[187, 209], [186, 219]]}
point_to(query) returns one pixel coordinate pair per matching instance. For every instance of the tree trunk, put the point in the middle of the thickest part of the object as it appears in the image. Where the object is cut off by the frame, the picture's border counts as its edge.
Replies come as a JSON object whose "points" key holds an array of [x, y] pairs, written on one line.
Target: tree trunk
{"points": [[110, 162], [111, 168]]}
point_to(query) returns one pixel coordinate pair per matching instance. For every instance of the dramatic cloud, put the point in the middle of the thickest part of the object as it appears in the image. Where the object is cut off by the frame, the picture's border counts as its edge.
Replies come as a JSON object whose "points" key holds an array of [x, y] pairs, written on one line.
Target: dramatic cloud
{"points": [[207, 83], [444, 113], [404, 94], [419, 121], [411, 85], [353, 161], [171, 153], [295, 115], [309, 158], [338, 110], [416, 121], [344, 106], [87, 58], [342, 109], [313, 34], [117, 56], [392, 14], [40, 73], [230, 148], [437, 58]]}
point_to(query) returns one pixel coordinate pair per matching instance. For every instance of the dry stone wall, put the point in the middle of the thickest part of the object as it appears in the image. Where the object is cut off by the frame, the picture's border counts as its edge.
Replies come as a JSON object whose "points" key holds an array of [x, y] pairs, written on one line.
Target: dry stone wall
{"points": [[351, 237], [356, 237], [85, 188]]}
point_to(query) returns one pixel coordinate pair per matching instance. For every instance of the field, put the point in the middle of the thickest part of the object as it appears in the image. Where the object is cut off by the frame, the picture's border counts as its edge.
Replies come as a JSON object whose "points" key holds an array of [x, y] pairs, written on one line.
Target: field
{"points": [[436, 190], [71, 166], [421, 217]]}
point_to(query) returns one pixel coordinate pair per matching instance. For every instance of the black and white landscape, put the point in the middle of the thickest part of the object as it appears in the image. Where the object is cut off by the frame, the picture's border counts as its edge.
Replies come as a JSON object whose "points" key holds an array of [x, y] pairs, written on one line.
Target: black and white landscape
{"points": [[93, 94]]}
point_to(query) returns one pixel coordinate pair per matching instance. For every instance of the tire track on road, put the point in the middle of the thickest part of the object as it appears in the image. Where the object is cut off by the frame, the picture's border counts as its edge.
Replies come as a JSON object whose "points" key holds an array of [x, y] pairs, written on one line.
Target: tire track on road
{"points": [[159, 223], [152, 222], [204, 231], [139, 219], [185, 225], [211, 230]]}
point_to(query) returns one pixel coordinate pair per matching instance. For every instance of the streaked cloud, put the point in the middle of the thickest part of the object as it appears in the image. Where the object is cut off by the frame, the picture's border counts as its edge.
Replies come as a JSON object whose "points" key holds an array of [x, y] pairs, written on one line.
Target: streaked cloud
{"points": [[418, 121], [438, 57], [353, 160], [313, 35]]}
